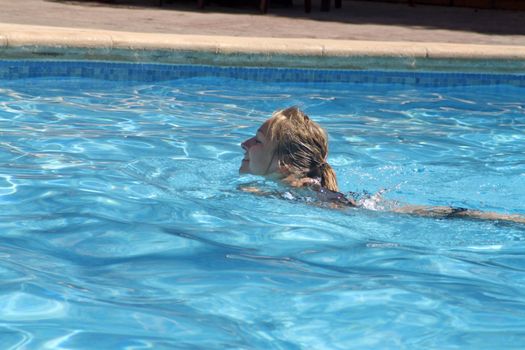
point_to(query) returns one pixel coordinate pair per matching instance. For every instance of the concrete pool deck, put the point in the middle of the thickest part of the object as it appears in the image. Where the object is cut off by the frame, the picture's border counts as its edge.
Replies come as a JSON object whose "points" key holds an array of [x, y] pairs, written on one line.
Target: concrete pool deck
{"points": [[336, 39]]}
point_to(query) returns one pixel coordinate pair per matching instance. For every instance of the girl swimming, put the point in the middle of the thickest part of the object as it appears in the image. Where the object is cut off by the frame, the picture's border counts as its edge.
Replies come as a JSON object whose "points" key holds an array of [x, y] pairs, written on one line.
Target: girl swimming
{"points": [[292, 148]]}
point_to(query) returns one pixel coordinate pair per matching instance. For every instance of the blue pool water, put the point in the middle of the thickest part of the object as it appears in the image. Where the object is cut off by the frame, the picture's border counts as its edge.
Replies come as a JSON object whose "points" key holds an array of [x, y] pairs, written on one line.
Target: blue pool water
{"points": [[122, 226]]}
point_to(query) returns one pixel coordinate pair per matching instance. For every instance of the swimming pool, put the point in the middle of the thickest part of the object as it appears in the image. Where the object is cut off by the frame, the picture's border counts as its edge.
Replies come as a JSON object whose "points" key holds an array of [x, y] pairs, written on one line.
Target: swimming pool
{"points": [[123, 226]]}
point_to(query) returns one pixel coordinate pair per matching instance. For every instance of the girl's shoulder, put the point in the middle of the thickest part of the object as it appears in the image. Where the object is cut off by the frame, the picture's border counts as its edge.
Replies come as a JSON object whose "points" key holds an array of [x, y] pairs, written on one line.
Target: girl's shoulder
{"points": [[323, 194], [326, 195]]}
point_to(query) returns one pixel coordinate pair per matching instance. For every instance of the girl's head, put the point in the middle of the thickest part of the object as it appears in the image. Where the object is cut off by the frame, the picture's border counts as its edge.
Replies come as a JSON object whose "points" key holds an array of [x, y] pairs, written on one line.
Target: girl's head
{"points": [[289, 143]]}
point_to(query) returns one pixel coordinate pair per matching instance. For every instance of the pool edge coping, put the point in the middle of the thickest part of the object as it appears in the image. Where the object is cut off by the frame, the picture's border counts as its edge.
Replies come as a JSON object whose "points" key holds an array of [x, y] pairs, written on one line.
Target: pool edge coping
{"points": [[23, 41]]}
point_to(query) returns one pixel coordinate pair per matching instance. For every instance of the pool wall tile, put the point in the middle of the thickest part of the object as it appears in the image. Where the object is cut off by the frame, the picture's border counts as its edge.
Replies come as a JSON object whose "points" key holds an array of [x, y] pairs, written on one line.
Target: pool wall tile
{"points": [[354, 56], [150, 72]]}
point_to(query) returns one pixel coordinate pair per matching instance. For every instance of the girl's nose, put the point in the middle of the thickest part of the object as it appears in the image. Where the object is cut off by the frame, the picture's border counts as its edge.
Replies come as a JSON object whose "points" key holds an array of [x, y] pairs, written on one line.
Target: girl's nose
{"points": [[247, 144]]}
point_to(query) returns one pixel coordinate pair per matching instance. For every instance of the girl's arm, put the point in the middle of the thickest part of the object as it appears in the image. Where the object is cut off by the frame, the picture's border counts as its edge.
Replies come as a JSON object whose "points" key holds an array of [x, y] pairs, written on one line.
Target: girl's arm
{"points": [[457, 212]]}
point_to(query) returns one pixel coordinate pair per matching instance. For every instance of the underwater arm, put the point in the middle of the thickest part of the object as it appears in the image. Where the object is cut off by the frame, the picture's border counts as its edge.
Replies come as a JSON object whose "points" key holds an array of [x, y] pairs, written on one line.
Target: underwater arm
{"points": [[457, 212], [255, 190]]}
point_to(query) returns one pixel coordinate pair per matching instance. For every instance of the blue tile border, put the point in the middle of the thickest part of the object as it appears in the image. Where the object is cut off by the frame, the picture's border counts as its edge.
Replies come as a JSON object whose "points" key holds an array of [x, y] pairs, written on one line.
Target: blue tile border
{"points": [[149, 72]]}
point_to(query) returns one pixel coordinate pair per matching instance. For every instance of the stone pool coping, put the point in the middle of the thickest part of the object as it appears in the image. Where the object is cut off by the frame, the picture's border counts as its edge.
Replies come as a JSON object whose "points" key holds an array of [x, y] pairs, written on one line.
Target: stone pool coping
{"points": [[27, 42]]}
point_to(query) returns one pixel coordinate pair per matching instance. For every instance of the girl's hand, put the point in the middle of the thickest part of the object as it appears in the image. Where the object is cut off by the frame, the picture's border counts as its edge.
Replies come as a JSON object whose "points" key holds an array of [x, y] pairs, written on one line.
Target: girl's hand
{"points": [[294, 181]]}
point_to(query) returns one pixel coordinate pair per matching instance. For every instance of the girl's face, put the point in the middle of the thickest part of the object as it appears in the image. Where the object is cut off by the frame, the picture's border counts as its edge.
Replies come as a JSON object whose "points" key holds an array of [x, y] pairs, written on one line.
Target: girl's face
{"points": [[259, 156]]}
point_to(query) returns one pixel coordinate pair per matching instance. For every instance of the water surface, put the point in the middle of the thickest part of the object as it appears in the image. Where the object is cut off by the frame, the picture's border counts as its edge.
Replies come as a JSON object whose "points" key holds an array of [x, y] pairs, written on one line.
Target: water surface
{"points": [[122, 226]]}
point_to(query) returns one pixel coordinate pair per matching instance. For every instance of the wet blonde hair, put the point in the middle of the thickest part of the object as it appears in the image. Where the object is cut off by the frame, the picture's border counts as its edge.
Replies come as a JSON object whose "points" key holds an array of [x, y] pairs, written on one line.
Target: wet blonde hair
{"points": [[301, 145]]}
